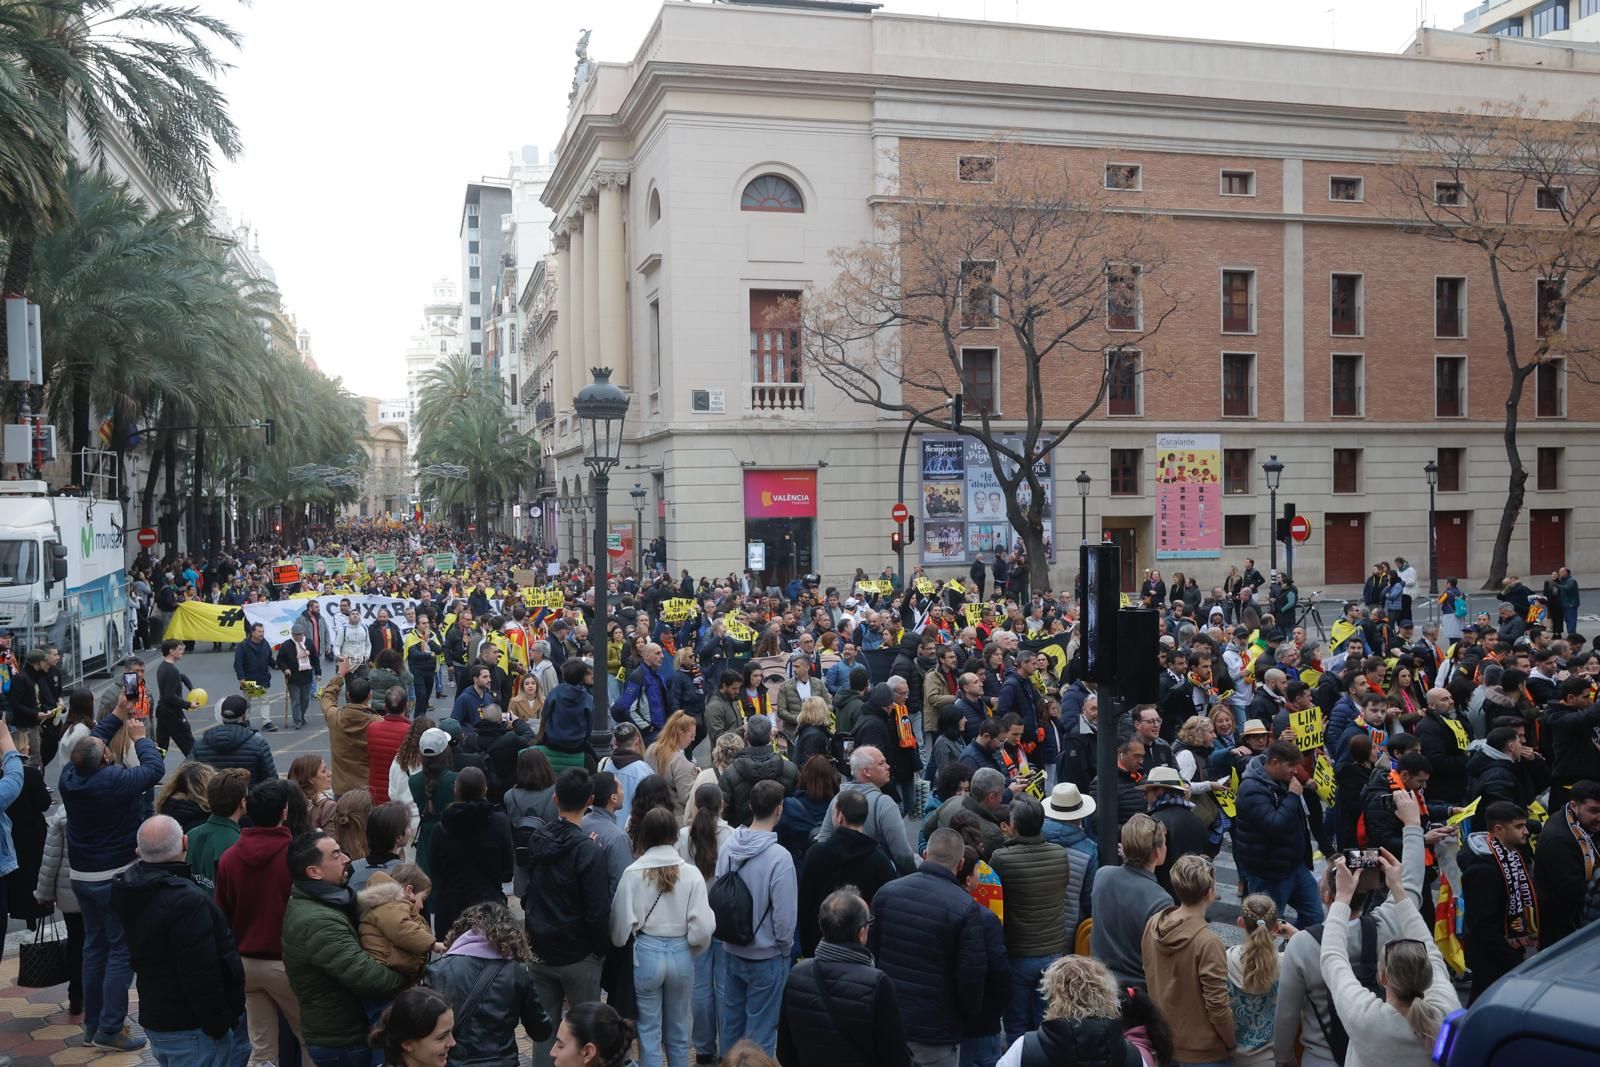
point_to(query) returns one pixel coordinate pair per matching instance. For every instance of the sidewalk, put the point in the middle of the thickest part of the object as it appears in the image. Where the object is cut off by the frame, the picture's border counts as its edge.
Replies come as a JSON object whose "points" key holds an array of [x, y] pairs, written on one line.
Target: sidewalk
{"points": [[35, 1028]]}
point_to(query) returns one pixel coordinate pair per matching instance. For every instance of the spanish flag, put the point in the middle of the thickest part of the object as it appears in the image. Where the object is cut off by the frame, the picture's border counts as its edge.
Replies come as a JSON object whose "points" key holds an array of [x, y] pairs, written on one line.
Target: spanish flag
{"points": [[1447, 926]]}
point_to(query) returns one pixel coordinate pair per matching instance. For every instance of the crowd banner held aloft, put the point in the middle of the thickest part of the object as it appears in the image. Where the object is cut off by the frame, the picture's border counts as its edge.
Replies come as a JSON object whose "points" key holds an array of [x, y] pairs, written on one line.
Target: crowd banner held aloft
{"points": [[1308, 728], [196, 620]]}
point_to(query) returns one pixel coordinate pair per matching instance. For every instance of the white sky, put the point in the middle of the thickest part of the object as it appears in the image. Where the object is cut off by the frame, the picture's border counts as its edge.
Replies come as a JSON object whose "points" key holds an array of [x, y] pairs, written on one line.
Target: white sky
{"points": [[361, 128]]}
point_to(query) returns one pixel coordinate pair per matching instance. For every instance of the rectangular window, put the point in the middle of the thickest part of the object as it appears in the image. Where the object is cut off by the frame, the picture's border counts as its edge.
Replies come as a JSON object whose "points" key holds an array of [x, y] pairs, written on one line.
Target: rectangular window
{"points": [[1123, 390], [1450, 387], [477, 348], [1347, 470], [980, 305], [1238, 531], [979, 383], [1349, 373], [1449, 307], [1345, 306], [474, 297], [1548, 476], [1238, 301], [472, 246], [1122, 297], [1550, 385], [977, 170], [1238, 183], [1549, 197], [1238, 384], [1511, 27], [1450, 461], [1550, 307], [655, 343], [1587, 8], [1447, 194], [477, 323], [1346, 189], [473, 259], [1125, 467], [1237, 463], [515, 399], [1549, 17], [775, 336], [1124, 176], [472, 272]]}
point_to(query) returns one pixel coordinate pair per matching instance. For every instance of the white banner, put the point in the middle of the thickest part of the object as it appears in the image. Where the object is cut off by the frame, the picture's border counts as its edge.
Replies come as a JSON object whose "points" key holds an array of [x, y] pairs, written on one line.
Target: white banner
{"points": [[278, 616]]}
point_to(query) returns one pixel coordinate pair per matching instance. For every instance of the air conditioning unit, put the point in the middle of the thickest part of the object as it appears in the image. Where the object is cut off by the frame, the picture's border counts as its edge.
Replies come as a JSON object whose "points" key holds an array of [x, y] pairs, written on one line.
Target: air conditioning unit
{"points": [[708, 401]]}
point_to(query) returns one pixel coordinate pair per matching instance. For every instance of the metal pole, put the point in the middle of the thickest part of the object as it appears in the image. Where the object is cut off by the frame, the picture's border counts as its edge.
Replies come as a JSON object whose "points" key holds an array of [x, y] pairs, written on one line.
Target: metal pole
{"points": [[600, 726], [1105, 786], [900, 495], [638, 540], [1433, 549], [1272, 536], [1083, 517]]}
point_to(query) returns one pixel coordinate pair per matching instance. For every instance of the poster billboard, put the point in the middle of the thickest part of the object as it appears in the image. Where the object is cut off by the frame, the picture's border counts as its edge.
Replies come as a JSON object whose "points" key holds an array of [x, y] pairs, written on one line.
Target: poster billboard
{"points": [[963, 508], [1188, 495]]}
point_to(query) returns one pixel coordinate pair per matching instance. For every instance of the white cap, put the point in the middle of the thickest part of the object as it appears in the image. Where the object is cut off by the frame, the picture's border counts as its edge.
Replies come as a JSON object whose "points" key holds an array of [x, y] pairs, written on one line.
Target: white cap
{"points": [[433, 741]]}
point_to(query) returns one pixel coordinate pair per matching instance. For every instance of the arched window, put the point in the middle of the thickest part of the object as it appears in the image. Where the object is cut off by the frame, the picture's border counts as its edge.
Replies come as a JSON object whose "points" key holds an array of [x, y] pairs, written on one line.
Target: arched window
{"points": [[653, 209], [771, 192]]}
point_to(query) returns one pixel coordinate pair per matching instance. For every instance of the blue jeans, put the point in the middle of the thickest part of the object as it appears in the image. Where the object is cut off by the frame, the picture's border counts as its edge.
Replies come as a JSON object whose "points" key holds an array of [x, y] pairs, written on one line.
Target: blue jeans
{"points": [[353, 1056], [981, 1051], [1569, 613], [1025, 1010], [663, 985], [107, 970], [299, 700], [705, 999], [1299, 890], [196, 1048], [749, 996]]}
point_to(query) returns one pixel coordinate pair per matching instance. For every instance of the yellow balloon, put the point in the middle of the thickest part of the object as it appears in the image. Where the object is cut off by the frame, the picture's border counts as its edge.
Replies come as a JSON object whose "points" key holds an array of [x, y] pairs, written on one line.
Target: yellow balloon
{"points": [[198, 698]]}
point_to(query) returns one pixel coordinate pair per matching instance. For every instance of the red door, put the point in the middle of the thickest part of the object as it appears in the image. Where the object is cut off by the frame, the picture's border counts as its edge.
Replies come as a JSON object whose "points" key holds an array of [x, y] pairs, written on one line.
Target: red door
{"points": [[1345, 551], [1547, 541], [1450, 530]]}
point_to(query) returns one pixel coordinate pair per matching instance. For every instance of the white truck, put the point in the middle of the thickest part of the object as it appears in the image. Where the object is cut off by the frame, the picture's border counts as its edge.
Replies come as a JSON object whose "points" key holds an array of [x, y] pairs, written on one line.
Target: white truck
{"points": [[63, 576]]}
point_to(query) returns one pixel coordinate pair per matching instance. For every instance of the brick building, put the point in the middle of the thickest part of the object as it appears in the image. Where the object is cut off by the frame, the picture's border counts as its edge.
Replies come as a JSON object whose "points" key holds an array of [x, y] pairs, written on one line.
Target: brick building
{"points": [[698, 183]]}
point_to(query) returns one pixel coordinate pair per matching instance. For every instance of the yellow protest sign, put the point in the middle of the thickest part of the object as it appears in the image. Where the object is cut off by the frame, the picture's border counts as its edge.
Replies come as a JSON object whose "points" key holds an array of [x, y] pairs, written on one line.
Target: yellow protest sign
{"points": [[1308, 728], [739, 631], [1322, 778], [925, 586], [954, 585], [1460, 732], [875, 585], [1126, 600], [533, 598], [974, 613], [555, 600], [677, 609], [1340, 632], [1228, 799]]}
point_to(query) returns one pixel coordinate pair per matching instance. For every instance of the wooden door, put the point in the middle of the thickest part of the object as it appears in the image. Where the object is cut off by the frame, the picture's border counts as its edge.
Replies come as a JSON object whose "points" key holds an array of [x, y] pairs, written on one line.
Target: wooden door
{"points": [[1126, 538], [1547, 542], [1345, 550], [1450, 530]]}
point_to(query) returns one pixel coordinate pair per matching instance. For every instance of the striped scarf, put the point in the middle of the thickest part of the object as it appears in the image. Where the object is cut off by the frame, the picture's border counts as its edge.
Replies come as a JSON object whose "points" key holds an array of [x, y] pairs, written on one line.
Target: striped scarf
{"points": [[1522, 910], [1585, 841]]}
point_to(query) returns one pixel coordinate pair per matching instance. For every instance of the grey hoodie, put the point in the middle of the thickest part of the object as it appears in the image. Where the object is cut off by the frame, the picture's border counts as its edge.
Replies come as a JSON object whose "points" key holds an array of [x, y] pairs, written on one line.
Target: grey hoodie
{"points": [[883, 824], [768, 871]]}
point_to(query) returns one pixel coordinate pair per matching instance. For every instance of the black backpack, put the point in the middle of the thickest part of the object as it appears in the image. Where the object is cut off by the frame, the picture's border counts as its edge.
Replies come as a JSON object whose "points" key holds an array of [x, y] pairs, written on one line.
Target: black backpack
{"points": [[734, 906], [1366, 972], [522, 832]]}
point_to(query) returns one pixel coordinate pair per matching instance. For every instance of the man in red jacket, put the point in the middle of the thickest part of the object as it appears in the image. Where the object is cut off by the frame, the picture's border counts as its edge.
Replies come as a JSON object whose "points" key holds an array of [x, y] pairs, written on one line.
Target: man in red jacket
{"points": [[383, 740], [253, 891]]}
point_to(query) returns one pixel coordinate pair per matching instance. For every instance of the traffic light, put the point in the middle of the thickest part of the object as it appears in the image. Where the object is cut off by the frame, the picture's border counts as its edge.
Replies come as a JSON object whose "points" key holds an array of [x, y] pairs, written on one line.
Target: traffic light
{"points": [[896, 541], [911, 529], [1281, 525]]}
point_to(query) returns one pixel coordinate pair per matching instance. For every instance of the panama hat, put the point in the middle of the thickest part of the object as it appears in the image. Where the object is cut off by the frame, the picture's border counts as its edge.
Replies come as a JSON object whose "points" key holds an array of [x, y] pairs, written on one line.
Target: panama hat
{"points": [[1066, 804], [1165, 778]]}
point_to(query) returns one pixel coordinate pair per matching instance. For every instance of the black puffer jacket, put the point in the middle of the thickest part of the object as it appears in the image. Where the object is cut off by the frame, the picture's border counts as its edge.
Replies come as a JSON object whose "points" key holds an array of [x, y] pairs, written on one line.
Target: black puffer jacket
{"points": [[847, 857], [876, 729], [759, 764], [568, 901], [928, 938], [498, 744], [236, 744], [1270, 834], [470, 857], [863, 1029], [490, 1037], [1083, 1043], [190, 976]]}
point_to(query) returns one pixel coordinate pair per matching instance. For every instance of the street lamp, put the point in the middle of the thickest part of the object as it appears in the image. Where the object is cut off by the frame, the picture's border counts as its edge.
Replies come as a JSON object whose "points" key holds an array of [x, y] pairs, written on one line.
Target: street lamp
{"points": [[638, 494], [601, 408], [1431, 471], [1273, 469], [1083, 480]]}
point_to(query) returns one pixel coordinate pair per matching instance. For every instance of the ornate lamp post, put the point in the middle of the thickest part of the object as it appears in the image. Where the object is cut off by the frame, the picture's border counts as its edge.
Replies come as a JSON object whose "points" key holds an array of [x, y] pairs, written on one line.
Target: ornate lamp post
{"points": [[1083, 481], [638, 494], [601, 408], [1430, 470], [1273, 469]]}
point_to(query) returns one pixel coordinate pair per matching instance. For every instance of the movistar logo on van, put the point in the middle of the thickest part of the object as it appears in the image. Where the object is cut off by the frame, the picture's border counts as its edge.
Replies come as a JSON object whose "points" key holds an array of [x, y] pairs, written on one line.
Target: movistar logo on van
{"points": [[88, 541], [93, 540]]}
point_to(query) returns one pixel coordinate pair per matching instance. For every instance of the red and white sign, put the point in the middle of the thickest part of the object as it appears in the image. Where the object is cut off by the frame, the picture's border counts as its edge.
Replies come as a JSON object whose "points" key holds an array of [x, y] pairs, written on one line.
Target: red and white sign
{"points": [[148, 537], [1300, 529], [899, 513]]}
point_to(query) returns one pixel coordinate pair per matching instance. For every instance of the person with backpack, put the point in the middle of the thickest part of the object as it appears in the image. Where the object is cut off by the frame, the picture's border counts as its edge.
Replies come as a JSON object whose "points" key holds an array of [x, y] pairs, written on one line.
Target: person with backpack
{"points": [[754, 901], [870, 773], [1305, 1013], [567, 903]]}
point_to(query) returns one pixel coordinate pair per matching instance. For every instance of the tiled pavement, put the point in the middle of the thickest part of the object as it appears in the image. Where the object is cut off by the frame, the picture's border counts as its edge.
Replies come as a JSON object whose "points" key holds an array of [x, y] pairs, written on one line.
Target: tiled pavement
{"points": [[35, 1028]]}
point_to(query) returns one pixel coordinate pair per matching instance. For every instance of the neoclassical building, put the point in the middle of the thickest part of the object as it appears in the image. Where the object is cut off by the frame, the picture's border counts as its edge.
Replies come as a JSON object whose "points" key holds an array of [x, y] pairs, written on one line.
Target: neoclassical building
{"points": [[708, 178]]}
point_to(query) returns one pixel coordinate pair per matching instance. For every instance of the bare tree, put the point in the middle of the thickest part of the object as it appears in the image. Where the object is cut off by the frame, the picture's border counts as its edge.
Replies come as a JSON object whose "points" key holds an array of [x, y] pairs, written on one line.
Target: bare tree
{"points": [[1524, 191], [1008, 249]]}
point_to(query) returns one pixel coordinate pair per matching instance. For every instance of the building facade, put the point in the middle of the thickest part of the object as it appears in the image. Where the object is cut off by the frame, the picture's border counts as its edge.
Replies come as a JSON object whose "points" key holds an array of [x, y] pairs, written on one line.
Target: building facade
{"points": [[1549, 20], [704, 182], [482, 241], [386, 484], [438, 339]]}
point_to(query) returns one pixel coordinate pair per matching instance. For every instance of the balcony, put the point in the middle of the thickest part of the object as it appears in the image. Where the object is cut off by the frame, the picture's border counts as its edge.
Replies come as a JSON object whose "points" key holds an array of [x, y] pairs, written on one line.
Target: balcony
{"points": [[778, 396], [1449, 321], [544, 411]]}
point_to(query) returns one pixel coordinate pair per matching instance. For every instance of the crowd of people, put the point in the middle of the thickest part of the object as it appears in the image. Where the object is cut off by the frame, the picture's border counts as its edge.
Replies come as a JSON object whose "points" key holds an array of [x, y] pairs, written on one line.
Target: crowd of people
{"points": [[815, 826]]}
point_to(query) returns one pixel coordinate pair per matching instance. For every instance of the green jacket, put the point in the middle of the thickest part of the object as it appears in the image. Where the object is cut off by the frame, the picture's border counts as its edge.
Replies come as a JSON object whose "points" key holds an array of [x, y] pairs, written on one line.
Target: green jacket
{"points": [[444, 794], [207, 843], [1034, 873], [330, 973]]}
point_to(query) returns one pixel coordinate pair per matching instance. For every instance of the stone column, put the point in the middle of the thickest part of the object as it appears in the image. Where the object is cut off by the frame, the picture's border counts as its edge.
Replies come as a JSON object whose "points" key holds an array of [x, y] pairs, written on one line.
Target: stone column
{"points": [[572, 284], [592, 354], [613, 276], [564, 388]]}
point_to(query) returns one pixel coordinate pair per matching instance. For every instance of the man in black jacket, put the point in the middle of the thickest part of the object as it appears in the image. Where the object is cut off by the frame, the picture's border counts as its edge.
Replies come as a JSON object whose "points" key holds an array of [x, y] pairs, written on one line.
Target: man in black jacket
{"points": [[1565, 865], [498, 743], [846, 857], [758, 762], [567, 904], [838, 1009], [191, 980], [1502, 918], [1572, 721], [233, 743]]}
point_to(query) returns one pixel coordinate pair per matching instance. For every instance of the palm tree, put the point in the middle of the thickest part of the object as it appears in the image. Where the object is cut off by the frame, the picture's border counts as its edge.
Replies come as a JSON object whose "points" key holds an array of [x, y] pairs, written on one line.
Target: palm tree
{"points": [[462, 422]]}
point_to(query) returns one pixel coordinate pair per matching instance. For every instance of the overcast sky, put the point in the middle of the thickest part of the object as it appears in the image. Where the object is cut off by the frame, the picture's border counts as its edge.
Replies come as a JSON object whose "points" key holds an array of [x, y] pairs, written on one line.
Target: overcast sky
{"points": [[361, 128]]}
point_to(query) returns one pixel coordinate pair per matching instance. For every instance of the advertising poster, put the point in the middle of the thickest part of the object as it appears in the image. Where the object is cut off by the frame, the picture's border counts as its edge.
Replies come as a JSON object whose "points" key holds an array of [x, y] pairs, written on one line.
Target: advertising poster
{"points": [[1188, 496], [963, 505]]}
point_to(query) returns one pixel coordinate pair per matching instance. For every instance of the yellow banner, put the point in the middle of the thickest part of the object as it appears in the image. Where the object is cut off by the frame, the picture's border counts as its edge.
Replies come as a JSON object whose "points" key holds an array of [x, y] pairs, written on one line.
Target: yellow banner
{"points": [[953, 584], [875, 585], [974, 613], [1340, 632], [1126, 601], [677, 609], [925, 585], [533, 598], [739, 631], [195, 620], [555, 600], [1322, 778], [1308, 728], [1228, 799]]}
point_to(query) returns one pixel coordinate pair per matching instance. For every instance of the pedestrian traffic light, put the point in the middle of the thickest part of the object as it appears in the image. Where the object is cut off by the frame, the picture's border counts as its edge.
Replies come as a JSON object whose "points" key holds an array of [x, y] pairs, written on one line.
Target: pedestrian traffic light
{"points": [[896, 541], [911, 529]]}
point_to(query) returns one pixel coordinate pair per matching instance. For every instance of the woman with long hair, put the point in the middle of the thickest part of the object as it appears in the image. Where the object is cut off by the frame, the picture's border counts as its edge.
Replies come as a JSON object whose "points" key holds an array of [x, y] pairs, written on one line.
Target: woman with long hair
{"points": [[667, 756], [651, 792], [812, 737], [1253, 980], [1224, 729], [527, 705], [700, 843], [350, 814], [593, 1035], [310, 772], [388, 831], [470, 850], [485, 939], [815, 789], [1082, 1019], [661, 903], [754, 698], [408, 761], [723, 751], [534, 796], [432, 790], [183, 795], [416, 1030]]}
